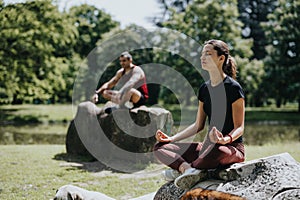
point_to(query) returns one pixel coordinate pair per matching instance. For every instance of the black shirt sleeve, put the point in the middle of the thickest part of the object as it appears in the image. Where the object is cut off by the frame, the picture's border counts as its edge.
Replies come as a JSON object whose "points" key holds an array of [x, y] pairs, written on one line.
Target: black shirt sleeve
{"points": [[201, 92], [235, 92]]}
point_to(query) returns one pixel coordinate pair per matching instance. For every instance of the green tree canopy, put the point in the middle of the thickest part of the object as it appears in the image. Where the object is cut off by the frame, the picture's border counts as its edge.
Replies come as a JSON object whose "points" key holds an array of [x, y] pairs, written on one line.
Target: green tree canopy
{"points": [[91, 24], [36, 39], [252, 13], [204, 20], [283, 60], [42, 49]]}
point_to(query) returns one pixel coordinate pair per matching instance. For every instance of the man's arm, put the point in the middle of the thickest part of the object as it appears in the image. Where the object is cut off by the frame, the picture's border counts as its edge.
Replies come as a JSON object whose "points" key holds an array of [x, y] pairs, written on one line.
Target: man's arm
{"points": [[111, 83]]}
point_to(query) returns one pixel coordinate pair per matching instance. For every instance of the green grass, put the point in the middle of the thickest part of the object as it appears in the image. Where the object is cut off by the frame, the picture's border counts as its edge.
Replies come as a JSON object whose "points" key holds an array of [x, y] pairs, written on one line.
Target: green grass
{"points": [[32, 172], [35, 172], [29, 113], [25, 114], [255, 151]]}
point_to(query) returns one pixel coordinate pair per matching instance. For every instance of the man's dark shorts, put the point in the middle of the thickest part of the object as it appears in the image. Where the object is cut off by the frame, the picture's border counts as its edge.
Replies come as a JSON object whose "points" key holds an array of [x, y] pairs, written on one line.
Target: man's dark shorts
{"points": [[141, 102]]}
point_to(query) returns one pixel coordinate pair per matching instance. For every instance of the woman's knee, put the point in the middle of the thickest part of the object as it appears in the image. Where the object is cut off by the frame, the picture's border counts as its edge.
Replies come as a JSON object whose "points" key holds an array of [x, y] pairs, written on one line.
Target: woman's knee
{"points": [[236, 158], [160, 148], [156, 147]]}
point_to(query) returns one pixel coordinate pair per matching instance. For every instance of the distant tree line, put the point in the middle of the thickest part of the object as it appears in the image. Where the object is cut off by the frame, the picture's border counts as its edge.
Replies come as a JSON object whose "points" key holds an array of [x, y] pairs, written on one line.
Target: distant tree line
{"points": [[43, 48], [272, 26]]}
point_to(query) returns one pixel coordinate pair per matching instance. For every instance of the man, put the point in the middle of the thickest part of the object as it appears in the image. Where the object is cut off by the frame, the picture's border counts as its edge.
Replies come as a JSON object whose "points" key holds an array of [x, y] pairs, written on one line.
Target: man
{"points": [[132, 80]]}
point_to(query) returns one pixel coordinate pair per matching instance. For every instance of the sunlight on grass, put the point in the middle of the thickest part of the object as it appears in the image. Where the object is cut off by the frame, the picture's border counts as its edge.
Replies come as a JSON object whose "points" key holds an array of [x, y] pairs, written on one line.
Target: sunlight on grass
{"points": [[31, 172], [55, 113], [35, 172], [254, 152]]}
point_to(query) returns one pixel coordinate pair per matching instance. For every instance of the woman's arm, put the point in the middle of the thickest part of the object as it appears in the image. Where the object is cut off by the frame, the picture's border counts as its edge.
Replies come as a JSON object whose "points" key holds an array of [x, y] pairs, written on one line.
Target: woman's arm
{"points": [[238, 115]]}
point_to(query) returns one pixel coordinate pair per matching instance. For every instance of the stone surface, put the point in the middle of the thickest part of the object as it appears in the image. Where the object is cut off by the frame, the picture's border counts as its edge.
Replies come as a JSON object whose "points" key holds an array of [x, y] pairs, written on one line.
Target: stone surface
{"points": [[131, 130], [74, 146], [275, 177]]}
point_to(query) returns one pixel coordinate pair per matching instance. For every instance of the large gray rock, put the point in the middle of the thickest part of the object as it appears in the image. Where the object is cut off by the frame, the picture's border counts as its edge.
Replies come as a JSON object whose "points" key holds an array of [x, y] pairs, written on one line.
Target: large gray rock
{"points": [[131, 130], [275, 177]]}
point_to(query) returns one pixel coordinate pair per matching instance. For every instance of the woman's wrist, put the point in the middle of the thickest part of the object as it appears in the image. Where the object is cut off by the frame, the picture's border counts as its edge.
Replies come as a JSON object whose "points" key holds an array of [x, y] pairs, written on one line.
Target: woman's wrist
{"points": [[172, 139], [230, 139]]}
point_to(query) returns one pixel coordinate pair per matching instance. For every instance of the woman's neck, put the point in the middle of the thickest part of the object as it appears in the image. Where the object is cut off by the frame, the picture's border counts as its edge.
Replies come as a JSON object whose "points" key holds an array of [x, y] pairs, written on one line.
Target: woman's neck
{"points": [[216, 78]]}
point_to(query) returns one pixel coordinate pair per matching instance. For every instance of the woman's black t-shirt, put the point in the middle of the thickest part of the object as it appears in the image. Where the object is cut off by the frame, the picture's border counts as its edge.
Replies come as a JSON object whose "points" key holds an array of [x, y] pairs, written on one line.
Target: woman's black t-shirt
{"points": [[218, 102]]}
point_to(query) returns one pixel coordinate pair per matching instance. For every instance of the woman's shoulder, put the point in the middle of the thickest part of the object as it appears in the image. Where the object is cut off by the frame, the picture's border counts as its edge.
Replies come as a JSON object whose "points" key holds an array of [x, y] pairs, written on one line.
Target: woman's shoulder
{"points": [[231, 82], [204, 85]]}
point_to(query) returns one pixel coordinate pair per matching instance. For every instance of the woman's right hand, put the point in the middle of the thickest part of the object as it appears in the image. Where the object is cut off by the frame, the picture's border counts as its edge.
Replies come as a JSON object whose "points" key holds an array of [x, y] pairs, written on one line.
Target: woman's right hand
{"points": [[162, 137], [216, 136]]}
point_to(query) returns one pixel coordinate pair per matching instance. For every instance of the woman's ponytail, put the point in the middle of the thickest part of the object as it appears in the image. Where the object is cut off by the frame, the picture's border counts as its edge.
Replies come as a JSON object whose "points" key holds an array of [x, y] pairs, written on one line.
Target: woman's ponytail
{"points": [[229, 67]]}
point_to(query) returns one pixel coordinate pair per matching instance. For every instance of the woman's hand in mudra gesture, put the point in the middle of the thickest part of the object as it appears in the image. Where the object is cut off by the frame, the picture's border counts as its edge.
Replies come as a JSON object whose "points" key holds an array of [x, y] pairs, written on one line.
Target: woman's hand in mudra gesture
{"points": [[162, 137], [216, 136]]}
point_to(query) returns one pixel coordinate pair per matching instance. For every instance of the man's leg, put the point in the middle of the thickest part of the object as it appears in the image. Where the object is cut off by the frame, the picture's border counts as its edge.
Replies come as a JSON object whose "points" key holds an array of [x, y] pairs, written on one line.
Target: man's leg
{"points": [[132, 95], [89, 108], [109, 94]]}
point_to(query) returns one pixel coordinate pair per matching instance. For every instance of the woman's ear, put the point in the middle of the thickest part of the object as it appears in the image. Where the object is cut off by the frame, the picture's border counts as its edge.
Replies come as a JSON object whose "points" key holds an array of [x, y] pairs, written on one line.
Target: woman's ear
{"points": [[222, 58]]}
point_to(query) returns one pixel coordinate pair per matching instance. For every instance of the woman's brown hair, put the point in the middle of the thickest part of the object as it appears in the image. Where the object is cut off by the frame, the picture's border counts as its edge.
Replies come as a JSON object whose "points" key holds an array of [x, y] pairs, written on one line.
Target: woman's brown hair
{"points": [[229, 65]]}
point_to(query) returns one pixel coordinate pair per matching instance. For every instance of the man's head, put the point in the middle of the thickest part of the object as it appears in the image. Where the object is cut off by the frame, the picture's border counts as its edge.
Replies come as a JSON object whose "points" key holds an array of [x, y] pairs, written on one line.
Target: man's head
{"points": [[125, 59], [127, 55]]}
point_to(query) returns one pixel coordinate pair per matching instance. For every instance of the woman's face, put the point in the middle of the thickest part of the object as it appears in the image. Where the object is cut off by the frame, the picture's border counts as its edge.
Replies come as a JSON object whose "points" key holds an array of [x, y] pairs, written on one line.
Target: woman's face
{"points": [[210, 59]]}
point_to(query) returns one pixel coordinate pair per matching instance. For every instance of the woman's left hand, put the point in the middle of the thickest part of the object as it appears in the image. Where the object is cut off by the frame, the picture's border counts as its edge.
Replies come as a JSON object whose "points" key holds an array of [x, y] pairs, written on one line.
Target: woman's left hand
{"points": [[162, 137], [216, 136]]}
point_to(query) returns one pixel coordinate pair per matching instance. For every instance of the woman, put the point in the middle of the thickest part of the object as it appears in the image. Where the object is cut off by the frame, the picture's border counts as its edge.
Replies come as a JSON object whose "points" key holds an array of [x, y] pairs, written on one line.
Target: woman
{"points": [[221, 99]]}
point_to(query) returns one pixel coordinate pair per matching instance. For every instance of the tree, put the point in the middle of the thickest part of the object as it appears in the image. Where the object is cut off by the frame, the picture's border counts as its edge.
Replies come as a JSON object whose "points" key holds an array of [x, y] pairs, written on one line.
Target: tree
{"points": [[283, 60], [91, 24], [252, 13], [36, 45], [252, 80], [203, 20], [167, 7]]}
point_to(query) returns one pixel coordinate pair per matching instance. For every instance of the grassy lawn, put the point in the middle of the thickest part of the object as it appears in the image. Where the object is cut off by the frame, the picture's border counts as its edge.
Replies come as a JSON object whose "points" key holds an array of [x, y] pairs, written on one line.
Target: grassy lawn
{"points": [[60, 115], [29, 113], [33, 172], [37, 171], [65, 112], [254, 151]]}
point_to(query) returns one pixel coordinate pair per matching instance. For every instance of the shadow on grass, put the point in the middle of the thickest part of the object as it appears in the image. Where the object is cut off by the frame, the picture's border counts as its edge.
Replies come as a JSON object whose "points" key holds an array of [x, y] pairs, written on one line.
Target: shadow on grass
{"points": [[83, 163], [8, 116]]}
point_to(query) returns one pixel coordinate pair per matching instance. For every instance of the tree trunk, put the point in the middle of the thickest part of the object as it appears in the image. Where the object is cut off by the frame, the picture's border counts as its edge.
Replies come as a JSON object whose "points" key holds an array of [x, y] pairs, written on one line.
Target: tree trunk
{"points": [[278, 102], [299, 105]]}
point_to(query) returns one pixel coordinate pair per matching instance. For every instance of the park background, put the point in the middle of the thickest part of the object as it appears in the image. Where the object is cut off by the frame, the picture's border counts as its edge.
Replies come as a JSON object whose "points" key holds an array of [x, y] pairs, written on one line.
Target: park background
{"points": [[43, 48]]}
